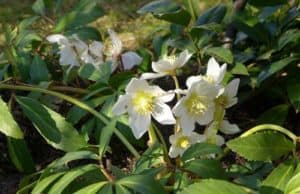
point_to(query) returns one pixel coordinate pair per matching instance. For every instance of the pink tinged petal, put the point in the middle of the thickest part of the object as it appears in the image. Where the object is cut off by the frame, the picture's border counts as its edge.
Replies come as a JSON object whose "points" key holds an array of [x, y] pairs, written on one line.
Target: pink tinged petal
{"points": [[183, 58], [116, 43], [139, 124], [136, 84], [130, 59], [120, 107], [163, 114], [191, 80], [152, 75], [232, 88], [228, 128], [57, 38], [187, 124], [162, 66]]}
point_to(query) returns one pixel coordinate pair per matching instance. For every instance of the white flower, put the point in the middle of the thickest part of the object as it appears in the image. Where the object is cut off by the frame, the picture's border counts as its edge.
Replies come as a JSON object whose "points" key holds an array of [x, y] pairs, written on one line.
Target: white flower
{"points": [[70, 49], [180, 143], [141, 101], [197, 106], [167, 65], [129, 59], [228, 98], [93, 54], [228, 128], [214, 74]]}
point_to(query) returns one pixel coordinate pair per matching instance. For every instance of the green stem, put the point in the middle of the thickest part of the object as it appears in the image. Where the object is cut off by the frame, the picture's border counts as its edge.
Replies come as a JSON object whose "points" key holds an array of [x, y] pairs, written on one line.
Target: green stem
{"points": [[218, 118], [176, 82], [77, 103], [152, 136]]}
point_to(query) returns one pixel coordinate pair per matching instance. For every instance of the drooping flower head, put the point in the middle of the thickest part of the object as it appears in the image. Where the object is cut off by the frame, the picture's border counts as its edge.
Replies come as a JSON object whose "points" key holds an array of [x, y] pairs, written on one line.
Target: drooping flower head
{"points": [[197, 106], [180, 143], [167, 65], [141, 101]]}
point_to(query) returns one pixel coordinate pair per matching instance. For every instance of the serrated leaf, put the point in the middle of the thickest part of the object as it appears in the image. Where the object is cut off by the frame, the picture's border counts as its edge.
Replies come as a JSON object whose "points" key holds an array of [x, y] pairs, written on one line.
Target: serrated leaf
{"points": [[52, 126], [276, 182], [275, 115], [70, 176], [261, 147], [212, 186], [142, 184], [220, 53], [8, 125], [91, 189], [199, 150], [206, 168]]}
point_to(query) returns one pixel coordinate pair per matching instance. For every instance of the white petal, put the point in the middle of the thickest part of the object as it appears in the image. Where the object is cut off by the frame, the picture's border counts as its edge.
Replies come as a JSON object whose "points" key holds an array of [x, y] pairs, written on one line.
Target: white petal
{"points": [[163, 114], [166, 96], [207, 116], [152, 75], [130, 59], [79, 45], [57, 38], [86, 58], [232, 88], [174, 152], [120, 107], [220, 140], [228, 128], [221, 73], [136, 84], [197, 138], [232, 102], [139, 124], [162, 66], [178, 109], [215, 71], [96, 48], [183, 58], [192, 79], [187, 124], [68, 57], [116, 43], [173, 138]]}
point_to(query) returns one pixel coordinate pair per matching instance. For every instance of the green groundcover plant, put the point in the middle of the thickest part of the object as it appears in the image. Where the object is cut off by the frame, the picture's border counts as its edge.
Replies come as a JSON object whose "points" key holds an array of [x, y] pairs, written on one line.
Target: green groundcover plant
{"points": [[166, 104]]}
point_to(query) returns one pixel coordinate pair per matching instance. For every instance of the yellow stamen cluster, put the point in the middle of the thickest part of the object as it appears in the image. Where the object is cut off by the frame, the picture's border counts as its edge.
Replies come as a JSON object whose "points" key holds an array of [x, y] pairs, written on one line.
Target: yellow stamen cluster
{"points": [[143, 102], [183, 142], [196, 105]]}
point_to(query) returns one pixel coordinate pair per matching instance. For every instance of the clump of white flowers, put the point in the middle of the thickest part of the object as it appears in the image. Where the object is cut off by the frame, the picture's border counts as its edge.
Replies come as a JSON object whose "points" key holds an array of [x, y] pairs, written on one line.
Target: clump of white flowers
{"points": [[74, 52], [203, 102]]}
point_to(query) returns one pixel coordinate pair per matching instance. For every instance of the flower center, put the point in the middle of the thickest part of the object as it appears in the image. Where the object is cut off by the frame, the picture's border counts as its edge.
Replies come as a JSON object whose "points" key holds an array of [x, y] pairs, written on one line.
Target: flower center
{"points": [[183, 142], [143, 102], [171, 59], [196, 105]]}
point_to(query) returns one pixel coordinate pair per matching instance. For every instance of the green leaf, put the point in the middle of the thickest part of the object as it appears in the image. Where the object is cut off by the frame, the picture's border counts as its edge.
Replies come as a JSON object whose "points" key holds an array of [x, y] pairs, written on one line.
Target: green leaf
{"points": [[293, 90], [290, 37], [39, 7], [105, 136], [92, 189], [88, 71], [193, 7], [44, 183], [85, 33], [85, 11], [8, 125], [220, 53], [261, 147], [38, 70], [122, 190], [240, 69], [260, 3], [141, 184], [167, 10], [206, 168], [211, 186], [20, 155], [199, 150], [293, 186], [275, 115], [277, 181], [52, 126], [274, 67], [107, 189], [70, 176], [212, 15]]}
